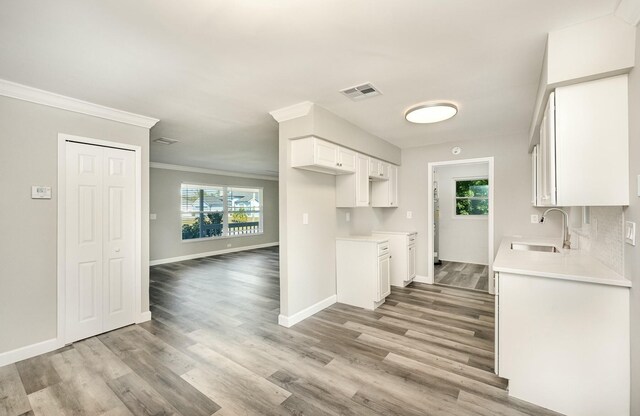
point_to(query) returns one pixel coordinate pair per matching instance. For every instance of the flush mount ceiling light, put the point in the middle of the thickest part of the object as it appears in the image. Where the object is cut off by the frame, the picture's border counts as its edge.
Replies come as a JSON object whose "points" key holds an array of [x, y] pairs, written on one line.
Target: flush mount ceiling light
{"points": [[430, 113]]}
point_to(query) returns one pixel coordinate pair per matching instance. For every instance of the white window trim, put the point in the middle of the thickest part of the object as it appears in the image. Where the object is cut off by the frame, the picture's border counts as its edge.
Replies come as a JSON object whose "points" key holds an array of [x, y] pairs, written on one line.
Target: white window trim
{"points": [[476, 217], [225, 212]]}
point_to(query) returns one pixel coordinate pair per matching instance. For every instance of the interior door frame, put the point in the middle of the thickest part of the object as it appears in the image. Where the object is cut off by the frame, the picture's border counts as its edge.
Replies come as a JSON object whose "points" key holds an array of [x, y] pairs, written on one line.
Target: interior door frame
{"points": [[62, 196], [430, 278]]}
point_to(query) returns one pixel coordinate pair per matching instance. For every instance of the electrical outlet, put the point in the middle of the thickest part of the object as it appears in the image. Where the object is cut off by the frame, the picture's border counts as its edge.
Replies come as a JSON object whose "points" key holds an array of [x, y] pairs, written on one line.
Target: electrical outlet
{"points": [[153, 216], [305, 219], [228, 245], [348, 217], [535, 219], [409, 215]]}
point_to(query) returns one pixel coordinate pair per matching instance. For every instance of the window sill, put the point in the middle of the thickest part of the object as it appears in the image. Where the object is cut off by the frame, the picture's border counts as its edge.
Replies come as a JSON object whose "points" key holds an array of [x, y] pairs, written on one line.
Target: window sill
{"points": [[225, 237], [471, 217]]}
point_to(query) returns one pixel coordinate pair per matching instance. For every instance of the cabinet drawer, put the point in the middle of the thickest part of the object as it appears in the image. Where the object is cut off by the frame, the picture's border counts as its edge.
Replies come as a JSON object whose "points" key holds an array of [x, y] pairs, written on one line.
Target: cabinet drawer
{"points": [[383, 248]]}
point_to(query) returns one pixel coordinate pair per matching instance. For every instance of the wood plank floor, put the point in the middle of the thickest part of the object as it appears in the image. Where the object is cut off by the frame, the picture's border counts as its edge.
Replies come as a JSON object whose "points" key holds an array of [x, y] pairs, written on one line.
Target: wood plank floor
{"points": [[213, 347], [462, 275]]}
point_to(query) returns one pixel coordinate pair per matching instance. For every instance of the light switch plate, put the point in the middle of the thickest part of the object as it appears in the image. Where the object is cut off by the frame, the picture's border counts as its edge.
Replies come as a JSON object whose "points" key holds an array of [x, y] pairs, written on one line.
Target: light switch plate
{"points": [[630, 233], [305, 218], [409, 215], [40, 192], [153, 216], [348, 217], [534, 219]]}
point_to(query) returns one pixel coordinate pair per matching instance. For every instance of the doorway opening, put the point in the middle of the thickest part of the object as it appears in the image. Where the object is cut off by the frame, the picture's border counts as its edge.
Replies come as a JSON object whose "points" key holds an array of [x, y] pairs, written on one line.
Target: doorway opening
{"points": [[460, 210]]}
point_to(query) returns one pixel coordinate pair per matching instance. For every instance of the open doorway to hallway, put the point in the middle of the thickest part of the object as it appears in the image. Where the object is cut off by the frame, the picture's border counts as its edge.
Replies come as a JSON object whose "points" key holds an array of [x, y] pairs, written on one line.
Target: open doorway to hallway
{"points": [[461, 211]]}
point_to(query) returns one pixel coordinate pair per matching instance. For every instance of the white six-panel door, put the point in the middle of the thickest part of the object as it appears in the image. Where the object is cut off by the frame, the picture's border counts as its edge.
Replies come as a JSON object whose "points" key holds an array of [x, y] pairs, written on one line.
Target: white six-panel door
{"points": [[100, 239]]}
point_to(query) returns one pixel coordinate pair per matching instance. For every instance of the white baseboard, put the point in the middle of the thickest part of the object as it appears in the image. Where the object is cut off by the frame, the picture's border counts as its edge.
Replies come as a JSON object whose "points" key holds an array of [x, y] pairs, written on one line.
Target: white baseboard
{"points": [[144, 317], [422, 279], [289, 321], [44, 347], [210, 253], [29, 351]]}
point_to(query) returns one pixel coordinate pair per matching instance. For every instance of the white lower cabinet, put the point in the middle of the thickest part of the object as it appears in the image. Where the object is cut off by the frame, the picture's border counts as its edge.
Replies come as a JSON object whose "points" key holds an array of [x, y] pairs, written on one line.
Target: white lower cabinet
{"points": [[564, 345], [363, 271], [402, 246]]}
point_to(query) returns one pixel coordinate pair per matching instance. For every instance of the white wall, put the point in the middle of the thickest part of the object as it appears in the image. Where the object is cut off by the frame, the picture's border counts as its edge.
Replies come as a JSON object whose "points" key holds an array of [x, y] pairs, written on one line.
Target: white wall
{"points": [[632, 213], [461, 239], [512, 190], [165, 231], [28, 241]]}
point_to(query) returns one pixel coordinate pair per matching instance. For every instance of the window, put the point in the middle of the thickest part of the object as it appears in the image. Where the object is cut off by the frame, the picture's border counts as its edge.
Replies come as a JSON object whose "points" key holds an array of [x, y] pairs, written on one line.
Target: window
{"points": [[220, 211], [472, 197]]}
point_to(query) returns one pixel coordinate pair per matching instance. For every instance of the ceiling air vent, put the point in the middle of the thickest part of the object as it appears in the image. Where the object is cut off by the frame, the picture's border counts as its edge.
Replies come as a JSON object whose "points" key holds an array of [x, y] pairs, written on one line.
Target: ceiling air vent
{"points": [[165, 140], [361, 92]]}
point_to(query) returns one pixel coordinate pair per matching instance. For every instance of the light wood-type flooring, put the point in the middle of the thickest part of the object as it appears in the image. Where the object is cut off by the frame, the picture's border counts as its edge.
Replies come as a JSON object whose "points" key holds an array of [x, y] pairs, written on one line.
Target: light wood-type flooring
{"points": [[463, 275], [214, 347]]}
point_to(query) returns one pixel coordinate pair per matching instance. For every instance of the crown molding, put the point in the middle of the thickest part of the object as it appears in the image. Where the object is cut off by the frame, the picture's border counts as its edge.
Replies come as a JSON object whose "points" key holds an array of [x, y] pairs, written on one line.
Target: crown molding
{"points": [[34, 95], [181, 168], [291, 112], [629, 11]]}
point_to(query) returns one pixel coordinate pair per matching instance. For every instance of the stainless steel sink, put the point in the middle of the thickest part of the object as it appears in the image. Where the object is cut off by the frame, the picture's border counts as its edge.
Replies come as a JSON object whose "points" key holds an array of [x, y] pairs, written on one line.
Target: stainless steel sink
{"points": [[534, 247]]}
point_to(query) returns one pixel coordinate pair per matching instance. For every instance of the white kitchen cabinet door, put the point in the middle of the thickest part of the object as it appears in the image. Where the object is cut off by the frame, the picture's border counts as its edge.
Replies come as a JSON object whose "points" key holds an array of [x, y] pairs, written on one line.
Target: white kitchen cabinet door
{"points": [[378, 170], [592, 142], [326, 154], [384, 277], [384, 194], [353, 190], [547, 191], [393, 186], [346, 159], [411, 259]]}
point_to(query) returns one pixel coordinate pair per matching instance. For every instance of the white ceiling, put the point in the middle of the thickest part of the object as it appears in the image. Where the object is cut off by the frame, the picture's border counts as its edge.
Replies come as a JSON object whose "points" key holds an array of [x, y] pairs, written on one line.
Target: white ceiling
{"points": [[211, 70]]}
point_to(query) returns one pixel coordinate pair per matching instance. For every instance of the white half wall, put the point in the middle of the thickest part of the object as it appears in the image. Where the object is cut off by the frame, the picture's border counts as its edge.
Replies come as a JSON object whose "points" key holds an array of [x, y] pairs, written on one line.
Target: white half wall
{"points": [[461, 239], [307, 252]]}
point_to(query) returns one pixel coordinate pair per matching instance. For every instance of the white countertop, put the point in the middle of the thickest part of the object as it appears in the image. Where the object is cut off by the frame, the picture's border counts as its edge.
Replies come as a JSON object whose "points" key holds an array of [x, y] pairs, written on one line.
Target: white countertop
{"points": [[365, 238], [573, 265], [395, 232]]}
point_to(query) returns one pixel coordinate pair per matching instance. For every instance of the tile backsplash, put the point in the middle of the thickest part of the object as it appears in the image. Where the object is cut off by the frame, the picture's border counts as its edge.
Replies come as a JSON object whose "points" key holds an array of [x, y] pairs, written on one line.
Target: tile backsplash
{"points": [[602, 237]]}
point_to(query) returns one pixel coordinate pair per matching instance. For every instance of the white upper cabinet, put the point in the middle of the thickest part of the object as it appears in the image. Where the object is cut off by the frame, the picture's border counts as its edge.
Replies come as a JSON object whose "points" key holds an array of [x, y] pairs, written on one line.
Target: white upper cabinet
{"points": [[385, 193], [318, 155], [583, 155], [353, 190], [346, 159], [378, 170]]}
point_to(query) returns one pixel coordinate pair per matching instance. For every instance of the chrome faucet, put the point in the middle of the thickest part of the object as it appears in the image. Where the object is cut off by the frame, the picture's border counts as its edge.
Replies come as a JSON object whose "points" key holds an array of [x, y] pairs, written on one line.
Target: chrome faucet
{"points": [[566, 238]]}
